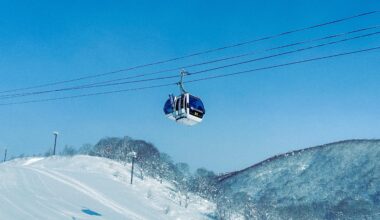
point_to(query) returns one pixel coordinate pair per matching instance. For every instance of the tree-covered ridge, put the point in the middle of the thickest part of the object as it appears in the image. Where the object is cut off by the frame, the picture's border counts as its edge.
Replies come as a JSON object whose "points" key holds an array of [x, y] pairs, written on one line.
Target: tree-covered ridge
{"points": [[339, 180], [150, 161]]}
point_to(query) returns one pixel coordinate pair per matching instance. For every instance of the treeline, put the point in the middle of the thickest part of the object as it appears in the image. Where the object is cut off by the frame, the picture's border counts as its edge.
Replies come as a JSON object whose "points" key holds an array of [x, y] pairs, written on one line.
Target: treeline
{"points": [[151, 162]]}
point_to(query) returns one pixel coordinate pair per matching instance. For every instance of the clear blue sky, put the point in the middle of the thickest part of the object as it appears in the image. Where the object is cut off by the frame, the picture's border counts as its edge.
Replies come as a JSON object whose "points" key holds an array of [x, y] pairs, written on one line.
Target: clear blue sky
{"points": [[248, 119]]}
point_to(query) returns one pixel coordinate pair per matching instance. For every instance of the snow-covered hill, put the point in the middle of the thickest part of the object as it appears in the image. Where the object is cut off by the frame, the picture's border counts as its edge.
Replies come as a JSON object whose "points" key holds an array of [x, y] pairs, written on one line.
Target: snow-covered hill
{"points": [[334, 181], [84, 187]]}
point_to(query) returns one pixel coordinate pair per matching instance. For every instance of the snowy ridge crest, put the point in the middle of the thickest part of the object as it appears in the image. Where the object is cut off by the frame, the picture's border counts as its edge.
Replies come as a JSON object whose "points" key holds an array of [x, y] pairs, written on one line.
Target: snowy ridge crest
{"points": [[227, 175], [340, 180]]}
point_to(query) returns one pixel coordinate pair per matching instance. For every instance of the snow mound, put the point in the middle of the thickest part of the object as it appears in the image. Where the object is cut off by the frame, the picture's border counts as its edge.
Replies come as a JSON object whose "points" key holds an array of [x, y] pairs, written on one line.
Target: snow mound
{"points": [[334, 181], [32, 160], [84, 187]]}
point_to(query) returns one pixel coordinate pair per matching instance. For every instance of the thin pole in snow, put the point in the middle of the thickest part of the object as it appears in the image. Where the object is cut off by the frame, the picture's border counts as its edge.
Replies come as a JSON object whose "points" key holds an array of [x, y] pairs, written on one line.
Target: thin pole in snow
{"points": [[5, 155], [133, 155], [55, 141], [133, 165]]}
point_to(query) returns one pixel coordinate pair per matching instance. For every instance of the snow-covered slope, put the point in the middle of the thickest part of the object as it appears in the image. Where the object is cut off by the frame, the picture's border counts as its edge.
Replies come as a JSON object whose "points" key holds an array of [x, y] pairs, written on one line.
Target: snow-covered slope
{"points": [[84, 187], [334, 181]]}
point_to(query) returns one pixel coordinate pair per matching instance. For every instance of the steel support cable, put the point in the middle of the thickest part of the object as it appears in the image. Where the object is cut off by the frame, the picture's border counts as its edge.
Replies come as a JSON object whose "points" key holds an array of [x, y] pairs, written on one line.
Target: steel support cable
{"points": [[89, 94], [283, 65], [285, 53], [193, 73], [194, 54], [198, 80], [230, 57]]}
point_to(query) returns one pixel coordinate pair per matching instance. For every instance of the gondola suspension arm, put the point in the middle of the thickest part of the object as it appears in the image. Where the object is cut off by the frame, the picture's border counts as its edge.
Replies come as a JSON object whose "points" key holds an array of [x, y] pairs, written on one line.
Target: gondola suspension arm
{"points": [[180, 83]]}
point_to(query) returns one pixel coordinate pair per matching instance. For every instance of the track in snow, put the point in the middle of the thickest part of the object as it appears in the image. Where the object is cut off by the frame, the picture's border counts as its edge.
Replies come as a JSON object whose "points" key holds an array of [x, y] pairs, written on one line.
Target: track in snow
{"points": [[88, 188]]}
